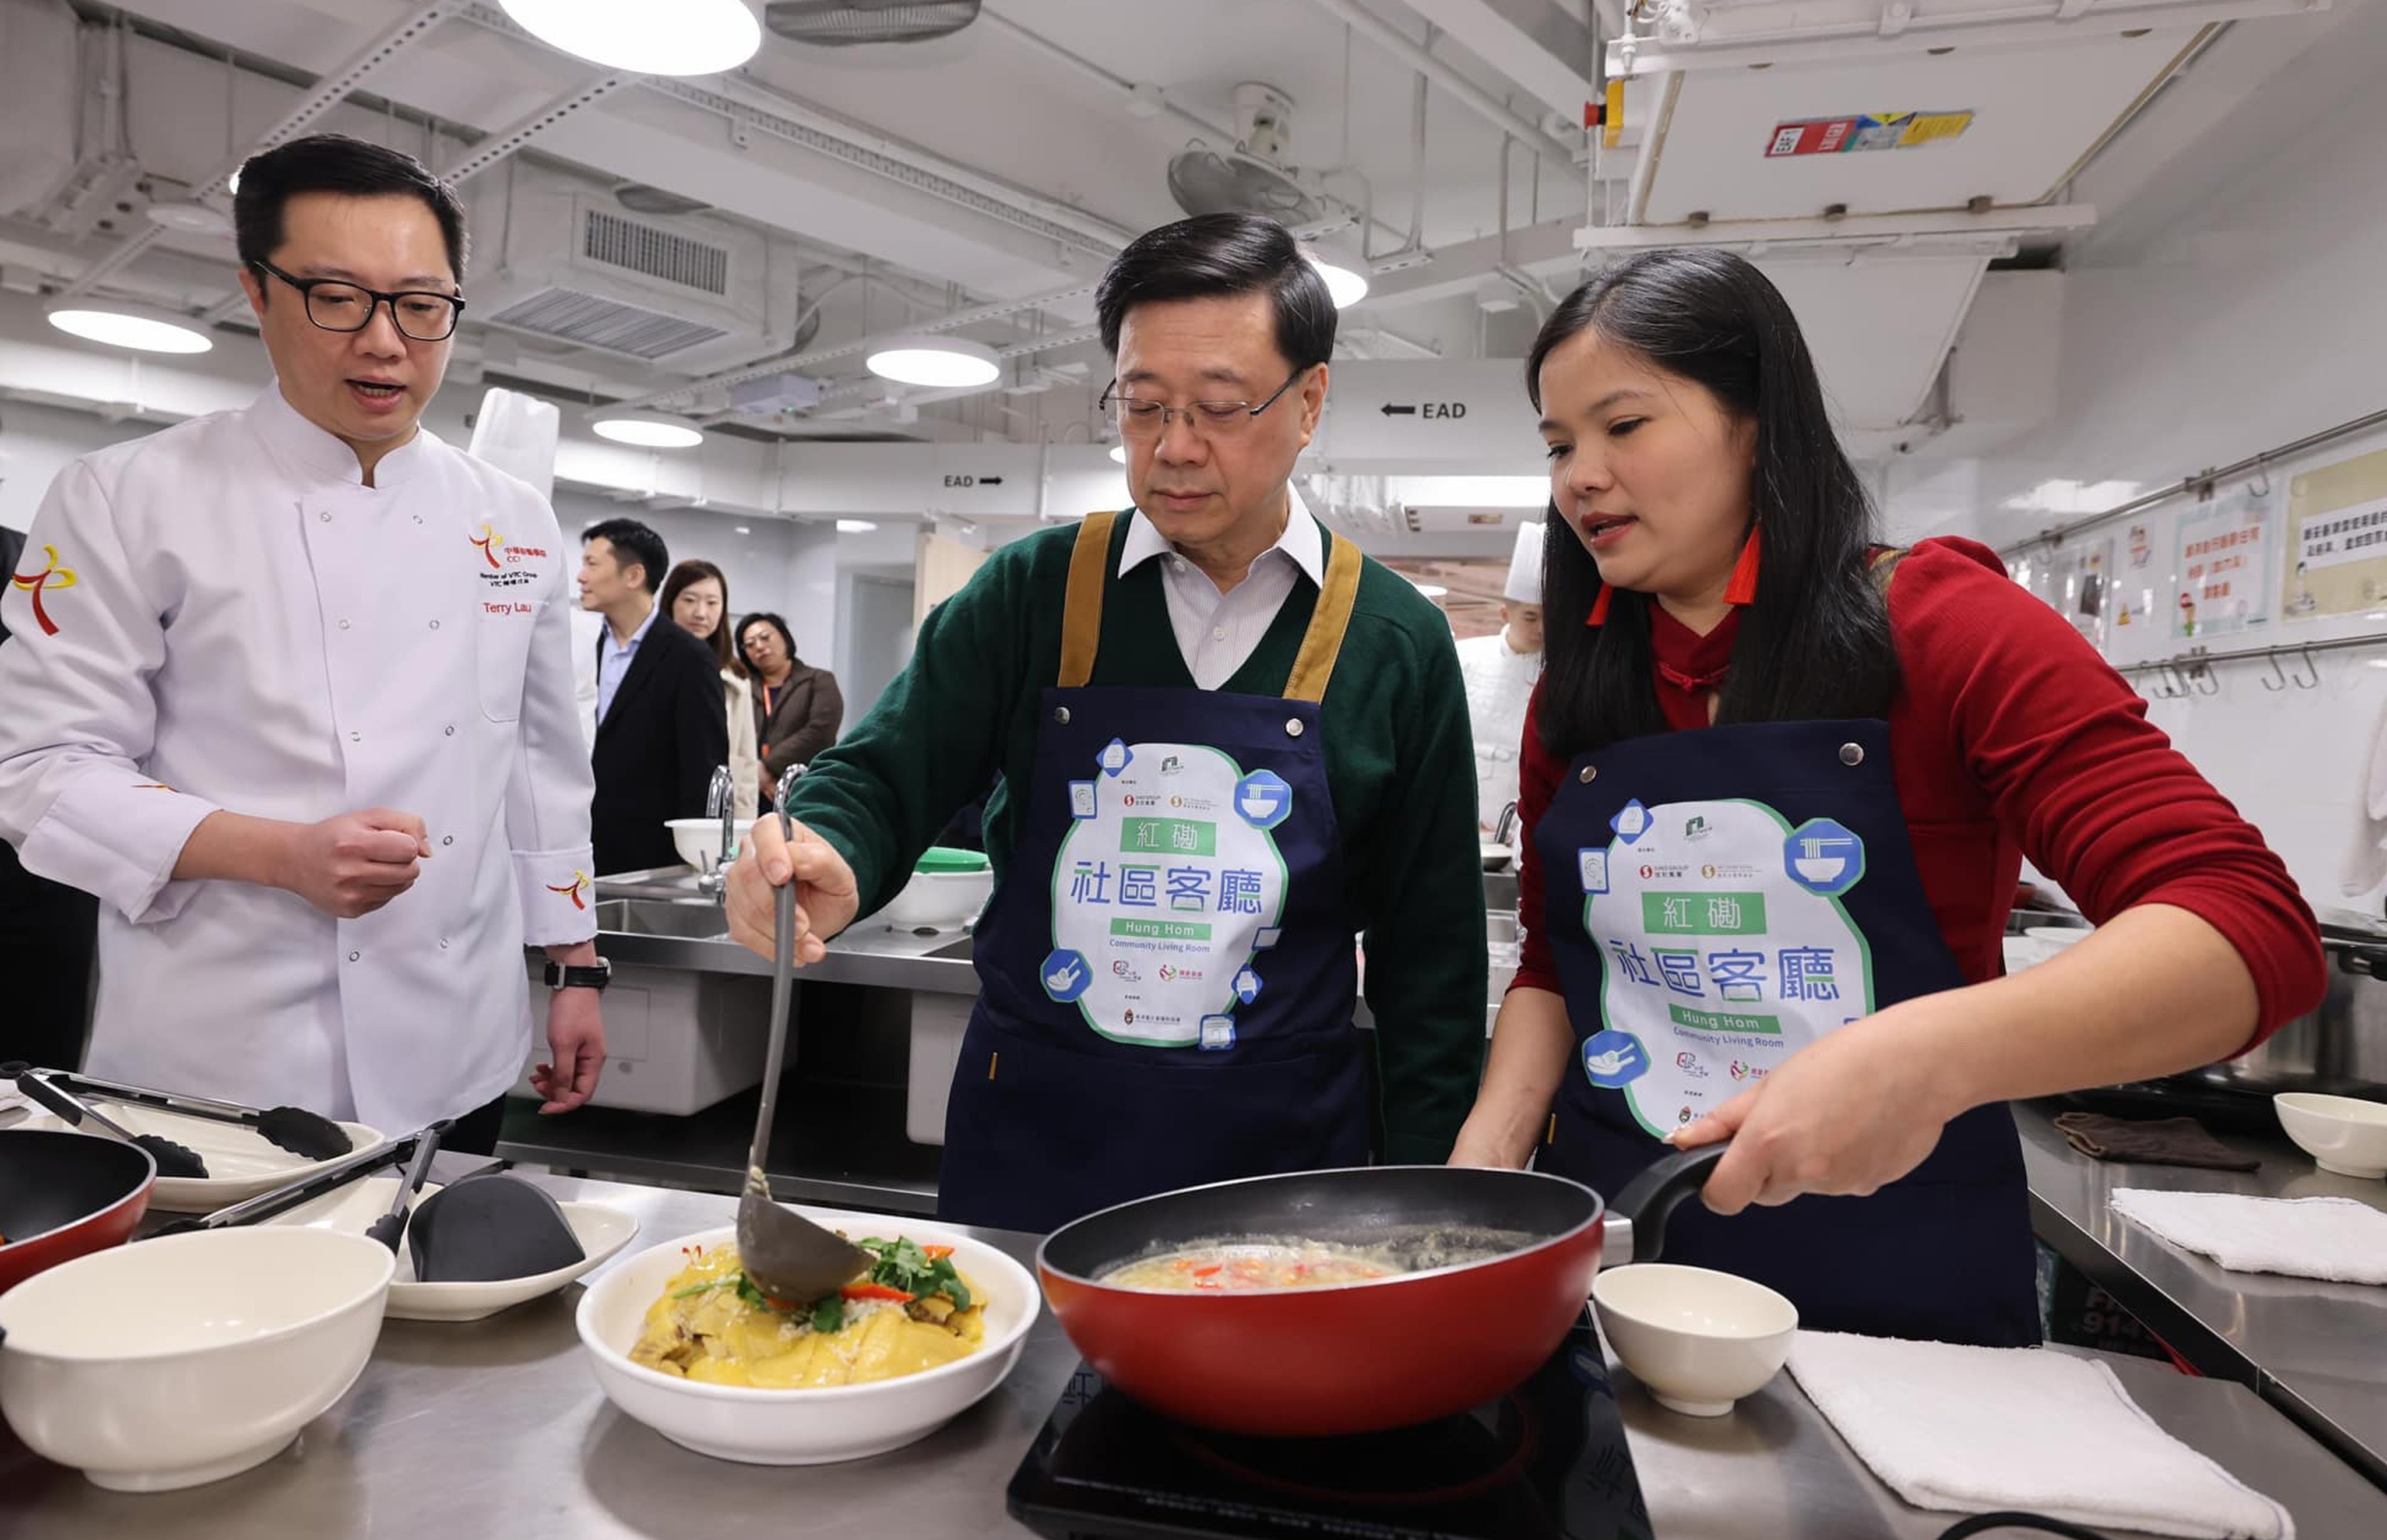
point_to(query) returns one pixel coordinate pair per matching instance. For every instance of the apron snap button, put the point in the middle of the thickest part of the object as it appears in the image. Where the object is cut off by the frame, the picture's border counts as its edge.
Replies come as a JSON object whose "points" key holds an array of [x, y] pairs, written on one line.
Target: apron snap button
{"points": [[1293, 726], [354, 955], [1851, 754], [1061, 715], [1590, 774]]}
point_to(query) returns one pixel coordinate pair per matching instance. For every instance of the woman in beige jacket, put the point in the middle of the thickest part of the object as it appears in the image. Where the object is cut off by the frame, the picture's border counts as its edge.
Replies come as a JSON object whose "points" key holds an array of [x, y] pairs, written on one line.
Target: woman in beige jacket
{"points": [[697, 598]]}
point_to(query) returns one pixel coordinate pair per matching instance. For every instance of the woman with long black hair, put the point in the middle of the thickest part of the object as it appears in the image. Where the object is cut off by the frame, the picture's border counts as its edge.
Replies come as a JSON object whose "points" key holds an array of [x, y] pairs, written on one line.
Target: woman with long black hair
{"points": [[1777, 782]]}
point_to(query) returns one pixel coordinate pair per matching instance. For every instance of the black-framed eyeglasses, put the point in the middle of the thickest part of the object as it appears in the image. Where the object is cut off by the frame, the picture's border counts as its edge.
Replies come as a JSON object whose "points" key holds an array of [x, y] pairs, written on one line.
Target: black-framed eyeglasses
{"points": [[1140, 419], [336, 305]]}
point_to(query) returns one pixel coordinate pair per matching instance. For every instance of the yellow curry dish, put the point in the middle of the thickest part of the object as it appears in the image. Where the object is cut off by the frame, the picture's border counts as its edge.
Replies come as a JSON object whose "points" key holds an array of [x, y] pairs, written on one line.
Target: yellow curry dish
{"points": [[913, 1311], [1241, 1266]]}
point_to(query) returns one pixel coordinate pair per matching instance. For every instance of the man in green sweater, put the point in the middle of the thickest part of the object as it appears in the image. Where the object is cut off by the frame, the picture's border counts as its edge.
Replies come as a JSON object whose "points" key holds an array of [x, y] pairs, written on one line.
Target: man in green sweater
{"points": [[1190, 828]]}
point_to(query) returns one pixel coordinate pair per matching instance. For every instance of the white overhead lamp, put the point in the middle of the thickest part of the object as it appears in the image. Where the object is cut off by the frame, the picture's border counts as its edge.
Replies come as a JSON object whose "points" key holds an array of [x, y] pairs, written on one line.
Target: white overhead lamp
{"points": [[1118, 454], [944, 364], [654, 37], [648, 430], [143, 328], [232, 183], [855, 526], [1344, 270]]}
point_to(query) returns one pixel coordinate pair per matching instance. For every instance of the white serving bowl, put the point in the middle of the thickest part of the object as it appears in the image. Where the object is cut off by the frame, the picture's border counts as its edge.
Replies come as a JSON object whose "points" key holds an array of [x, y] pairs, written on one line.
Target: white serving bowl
{"points": [[1698, 1338], [698, 840], [168, 1363], [803, 1427], [2344, 1134], [939, 900]]}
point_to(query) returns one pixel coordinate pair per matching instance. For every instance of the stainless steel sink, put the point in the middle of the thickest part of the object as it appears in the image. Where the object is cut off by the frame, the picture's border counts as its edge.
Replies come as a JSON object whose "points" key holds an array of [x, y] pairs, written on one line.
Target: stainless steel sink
{"points": [[661, 917]]}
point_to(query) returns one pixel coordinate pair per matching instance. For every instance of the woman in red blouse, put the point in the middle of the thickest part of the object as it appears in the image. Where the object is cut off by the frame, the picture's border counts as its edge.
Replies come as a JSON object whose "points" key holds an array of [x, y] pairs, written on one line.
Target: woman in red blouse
{"points": [[1778, 782]]}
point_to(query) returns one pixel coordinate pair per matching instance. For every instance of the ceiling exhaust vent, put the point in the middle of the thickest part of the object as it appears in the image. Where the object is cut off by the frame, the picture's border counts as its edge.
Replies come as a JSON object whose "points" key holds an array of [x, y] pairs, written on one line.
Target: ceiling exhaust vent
{"points": [[843, 23]]}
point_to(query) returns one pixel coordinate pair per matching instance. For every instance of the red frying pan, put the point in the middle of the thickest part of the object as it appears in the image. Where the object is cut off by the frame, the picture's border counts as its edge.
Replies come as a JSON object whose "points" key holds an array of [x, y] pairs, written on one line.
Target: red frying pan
{"points": [[1354, 1357], [62, 1195]]}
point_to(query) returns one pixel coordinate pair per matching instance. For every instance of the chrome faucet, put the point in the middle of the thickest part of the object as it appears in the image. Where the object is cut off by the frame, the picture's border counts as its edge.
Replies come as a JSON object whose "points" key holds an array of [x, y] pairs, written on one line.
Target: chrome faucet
{"points": [[1507, 825], [721, 800]]}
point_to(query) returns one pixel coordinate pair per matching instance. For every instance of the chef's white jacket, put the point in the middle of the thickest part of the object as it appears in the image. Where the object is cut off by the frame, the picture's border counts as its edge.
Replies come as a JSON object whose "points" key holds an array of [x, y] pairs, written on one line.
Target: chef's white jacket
{"points": [[234, 621], [1500, 683]]}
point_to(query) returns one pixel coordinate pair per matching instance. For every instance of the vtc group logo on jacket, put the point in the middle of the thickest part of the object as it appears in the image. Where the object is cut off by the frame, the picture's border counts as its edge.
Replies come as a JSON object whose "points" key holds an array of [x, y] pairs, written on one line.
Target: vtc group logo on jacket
{"points": [[52, 575], [573, 889], [509, 566]]}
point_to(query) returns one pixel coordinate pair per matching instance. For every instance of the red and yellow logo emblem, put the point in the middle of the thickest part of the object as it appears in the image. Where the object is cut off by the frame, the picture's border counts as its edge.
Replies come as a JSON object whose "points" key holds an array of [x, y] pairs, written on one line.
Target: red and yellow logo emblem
{"points": [[491, 542], [578, 885], [51, 576]]}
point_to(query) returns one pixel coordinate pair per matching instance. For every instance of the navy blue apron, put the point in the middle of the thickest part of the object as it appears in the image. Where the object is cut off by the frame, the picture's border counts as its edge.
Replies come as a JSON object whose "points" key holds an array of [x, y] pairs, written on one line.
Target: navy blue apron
{"points": [[1943, 1253], [1167, 968]]}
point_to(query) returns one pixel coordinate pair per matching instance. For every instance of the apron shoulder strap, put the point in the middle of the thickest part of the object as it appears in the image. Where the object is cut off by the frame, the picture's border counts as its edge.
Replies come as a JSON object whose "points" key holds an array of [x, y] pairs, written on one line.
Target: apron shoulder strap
{"points": [[1081, 613], [1314, 664], [1881, 564]]}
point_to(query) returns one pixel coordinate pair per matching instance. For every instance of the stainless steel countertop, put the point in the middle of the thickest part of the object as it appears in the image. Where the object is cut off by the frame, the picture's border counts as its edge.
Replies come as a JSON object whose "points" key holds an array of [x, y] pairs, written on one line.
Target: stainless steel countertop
{"points": [[872, 952], [496, 1429], [2316, 1350]]}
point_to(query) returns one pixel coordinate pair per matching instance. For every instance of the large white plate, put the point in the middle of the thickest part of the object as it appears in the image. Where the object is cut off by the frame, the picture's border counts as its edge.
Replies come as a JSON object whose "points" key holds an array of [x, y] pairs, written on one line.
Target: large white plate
{"points": [[240, 1163], [351, 1209]]}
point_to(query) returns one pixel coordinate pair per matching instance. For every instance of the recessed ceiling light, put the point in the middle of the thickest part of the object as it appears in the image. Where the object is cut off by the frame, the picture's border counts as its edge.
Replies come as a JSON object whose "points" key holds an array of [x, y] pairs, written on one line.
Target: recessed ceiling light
{"points": [[655, 37], [648, 430], [139, 327], [942, 362], [744, 529], [1118, 454], [855, 526]]}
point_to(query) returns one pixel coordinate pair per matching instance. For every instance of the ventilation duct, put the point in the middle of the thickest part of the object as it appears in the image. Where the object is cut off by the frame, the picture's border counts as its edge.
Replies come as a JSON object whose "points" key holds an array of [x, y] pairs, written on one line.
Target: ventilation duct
{"points": [[844, 23]]}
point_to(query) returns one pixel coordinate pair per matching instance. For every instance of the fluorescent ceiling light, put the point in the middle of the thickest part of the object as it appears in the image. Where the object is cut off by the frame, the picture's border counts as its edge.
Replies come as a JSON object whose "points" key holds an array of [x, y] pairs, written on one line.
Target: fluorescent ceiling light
{"points": [[745, 529], [855, 526], [1118, 454], [1469, 491], [945, 363], [135, 326], [648, 430], [654, 37]]}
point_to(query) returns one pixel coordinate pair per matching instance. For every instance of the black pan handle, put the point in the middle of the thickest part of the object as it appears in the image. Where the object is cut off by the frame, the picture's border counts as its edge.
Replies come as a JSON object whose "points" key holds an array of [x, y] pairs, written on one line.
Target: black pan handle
{"points": [[1650, 1199]]}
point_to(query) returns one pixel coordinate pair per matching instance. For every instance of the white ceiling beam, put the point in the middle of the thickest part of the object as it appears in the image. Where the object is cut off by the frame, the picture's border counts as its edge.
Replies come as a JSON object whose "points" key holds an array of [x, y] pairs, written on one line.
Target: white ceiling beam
{"points": [[1533, 43], [1468, 95]]}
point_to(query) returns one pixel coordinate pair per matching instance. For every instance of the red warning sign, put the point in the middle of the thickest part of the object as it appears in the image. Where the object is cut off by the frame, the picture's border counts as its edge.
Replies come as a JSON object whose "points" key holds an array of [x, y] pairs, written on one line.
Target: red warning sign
{"points": [[1821, 136]]}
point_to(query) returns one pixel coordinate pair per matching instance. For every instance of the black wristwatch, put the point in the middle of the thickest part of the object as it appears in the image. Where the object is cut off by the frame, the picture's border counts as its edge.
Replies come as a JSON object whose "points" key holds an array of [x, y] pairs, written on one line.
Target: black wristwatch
{"points": [[575, 977]]}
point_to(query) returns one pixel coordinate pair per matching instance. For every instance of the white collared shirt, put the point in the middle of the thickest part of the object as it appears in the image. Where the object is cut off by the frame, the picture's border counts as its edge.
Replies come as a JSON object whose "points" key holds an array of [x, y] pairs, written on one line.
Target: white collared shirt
{"points": [[614, 660], [251, 628], [1218, 633]]}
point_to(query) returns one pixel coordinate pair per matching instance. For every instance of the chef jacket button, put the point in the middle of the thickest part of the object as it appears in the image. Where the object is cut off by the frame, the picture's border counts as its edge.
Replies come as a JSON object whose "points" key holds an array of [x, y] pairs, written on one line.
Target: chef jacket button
{"points": [[418, 518], [451, 729], [354, 955], [344, 626], [1293, 726], [1061, 715], [1851, 754], [448, 840], [443, 943], [356, 737], [434, 625], [325, 515], [1589, 774]]}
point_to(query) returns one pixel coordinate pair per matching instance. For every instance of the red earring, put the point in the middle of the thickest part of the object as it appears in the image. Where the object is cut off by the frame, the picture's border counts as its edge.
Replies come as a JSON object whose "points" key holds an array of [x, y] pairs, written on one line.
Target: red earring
{"points": [[1599, 607], [1742, 590]]}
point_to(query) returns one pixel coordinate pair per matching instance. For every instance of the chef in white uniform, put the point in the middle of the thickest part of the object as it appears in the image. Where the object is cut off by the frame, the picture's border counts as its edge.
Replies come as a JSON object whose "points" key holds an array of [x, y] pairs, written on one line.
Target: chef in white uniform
{"points": [[290, 691], [1501, 670]]}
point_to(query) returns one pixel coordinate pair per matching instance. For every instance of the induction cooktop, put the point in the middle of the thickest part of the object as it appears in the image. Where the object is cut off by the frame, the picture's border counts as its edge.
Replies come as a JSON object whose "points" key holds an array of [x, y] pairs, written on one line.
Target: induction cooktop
{"points": [[1547, 1461]]}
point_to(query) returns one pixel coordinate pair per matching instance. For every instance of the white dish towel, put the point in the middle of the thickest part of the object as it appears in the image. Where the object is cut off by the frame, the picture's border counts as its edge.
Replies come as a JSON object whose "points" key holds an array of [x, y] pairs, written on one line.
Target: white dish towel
{"points": [[2340, 1240], [1977, 1430]]}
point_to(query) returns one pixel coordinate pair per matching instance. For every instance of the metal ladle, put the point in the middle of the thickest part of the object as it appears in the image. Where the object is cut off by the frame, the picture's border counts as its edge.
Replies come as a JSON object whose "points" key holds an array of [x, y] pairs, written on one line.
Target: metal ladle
{"points": [[787, 1256]]}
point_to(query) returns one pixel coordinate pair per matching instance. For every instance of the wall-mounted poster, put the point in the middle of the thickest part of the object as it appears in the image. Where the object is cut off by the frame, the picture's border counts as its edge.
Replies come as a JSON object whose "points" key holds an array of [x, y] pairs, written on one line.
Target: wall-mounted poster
{"points": [[2080, 584], [2225, 564], [2336, 560]]}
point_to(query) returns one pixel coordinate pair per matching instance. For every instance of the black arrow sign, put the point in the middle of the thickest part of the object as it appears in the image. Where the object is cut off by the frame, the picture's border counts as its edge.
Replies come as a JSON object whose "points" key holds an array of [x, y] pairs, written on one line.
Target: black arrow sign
{"points": [[990, 481], [1392, 410]]}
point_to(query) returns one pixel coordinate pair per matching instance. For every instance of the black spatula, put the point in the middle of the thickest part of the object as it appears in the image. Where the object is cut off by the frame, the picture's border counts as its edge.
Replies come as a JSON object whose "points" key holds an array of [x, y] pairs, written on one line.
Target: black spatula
{"points": [[488, 1228], [173, 1160], [293, 1129]]}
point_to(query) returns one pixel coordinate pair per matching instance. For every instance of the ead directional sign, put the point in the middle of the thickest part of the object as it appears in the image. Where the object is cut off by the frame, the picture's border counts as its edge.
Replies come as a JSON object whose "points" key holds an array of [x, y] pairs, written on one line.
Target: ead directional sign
{"points": [[1424, 408], [1459, 415]]}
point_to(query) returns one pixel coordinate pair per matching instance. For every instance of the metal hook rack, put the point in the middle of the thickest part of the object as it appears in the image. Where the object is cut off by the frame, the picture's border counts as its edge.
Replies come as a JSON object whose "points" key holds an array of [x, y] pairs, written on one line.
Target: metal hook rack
{"points": [[2193, 673]]}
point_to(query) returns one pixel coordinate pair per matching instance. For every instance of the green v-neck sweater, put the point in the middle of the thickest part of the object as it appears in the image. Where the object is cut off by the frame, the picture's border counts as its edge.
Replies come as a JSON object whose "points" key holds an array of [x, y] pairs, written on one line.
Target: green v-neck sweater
{"points": [[1399, 760]]}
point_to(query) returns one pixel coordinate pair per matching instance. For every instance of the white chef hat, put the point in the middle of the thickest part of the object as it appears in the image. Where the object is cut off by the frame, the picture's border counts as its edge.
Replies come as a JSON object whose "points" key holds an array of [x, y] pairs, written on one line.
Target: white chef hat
{"points": [[1524, 586]]}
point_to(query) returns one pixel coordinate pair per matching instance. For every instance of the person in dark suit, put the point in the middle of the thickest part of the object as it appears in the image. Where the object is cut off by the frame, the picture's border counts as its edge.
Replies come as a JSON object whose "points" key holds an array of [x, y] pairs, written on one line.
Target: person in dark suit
{"points": [[660, 729], [798, 709], [47, 931]]}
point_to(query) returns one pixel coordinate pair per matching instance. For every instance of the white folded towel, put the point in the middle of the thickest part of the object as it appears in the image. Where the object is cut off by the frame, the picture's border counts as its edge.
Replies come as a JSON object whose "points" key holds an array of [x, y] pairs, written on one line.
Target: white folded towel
{"points": [[1978, 1430], [2337, 1239]]}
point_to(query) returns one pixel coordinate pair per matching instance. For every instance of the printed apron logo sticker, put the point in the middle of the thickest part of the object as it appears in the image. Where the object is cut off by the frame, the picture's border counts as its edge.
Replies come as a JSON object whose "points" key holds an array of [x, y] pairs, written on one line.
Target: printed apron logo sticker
{"points": [[1592, 867], [1161, 900], [1614, 1060], [1725, 964], [1081, 799], [1065, 974], [1263, 800], [1632, 821], [1823, 857]]}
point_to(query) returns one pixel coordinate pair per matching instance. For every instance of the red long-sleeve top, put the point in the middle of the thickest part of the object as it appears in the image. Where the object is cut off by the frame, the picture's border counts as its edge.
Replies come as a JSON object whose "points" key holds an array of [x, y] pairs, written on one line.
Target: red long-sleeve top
{"points": [[2009, 734]]}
